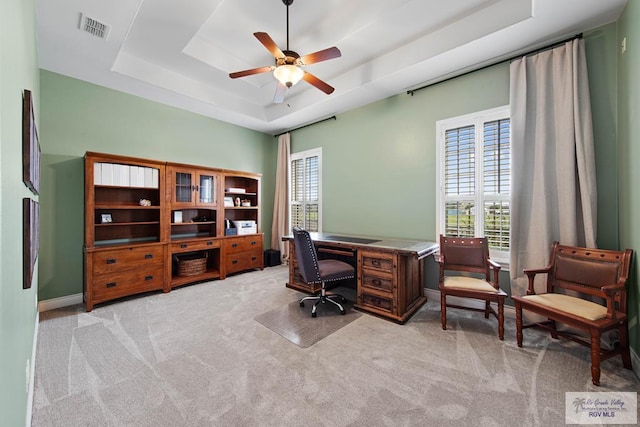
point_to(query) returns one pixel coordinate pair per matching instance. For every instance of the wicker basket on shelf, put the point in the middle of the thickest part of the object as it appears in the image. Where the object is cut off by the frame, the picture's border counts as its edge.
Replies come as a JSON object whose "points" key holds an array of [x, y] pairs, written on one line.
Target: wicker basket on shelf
{"points": [[191, 264]]}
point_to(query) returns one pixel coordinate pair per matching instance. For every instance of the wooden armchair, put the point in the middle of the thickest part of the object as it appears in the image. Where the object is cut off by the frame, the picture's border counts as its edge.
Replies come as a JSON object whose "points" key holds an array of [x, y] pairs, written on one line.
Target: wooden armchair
{"points": [[469, 254], [590, 273]]}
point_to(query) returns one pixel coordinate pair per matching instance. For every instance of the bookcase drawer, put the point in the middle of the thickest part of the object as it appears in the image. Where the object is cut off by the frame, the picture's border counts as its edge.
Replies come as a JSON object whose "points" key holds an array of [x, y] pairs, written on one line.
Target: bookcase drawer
{"points": [[194, 245], [243, 261], [116, 260], [243, 244], [109, 286]]}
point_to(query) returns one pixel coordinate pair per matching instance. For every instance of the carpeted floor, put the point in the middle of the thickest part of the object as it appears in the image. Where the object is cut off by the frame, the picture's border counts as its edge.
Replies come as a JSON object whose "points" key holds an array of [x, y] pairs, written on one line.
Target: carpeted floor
{"points": [[197, 357]]}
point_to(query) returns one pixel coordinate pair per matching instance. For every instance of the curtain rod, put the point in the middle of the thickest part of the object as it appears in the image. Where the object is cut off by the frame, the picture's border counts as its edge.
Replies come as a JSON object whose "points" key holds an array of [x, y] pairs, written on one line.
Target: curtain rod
{"points": [[513, 58], [310, 124]]}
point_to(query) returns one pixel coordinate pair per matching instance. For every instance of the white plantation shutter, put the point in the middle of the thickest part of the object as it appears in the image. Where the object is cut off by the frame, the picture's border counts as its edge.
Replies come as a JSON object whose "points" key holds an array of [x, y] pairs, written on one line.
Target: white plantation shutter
{"points": [[474, 178], [306, 190], [497, 171]]}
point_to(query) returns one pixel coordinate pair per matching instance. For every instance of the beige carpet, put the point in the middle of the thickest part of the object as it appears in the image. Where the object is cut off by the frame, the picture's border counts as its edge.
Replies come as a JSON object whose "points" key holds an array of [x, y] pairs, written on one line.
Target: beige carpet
{"points": [[196, 357]]}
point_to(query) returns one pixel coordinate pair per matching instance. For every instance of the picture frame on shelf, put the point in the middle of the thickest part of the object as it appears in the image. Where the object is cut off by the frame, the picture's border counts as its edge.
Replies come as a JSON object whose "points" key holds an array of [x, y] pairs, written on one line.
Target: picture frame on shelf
{"points": [[30, 145], [106, 218], [177, 217], [228, 202], [30, 239]]}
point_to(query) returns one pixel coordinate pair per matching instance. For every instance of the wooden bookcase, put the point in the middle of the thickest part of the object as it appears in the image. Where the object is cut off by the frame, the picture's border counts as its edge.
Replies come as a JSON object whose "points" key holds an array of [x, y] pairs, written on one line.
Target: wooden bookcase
{"points": [[144, 217], [125, 236]]}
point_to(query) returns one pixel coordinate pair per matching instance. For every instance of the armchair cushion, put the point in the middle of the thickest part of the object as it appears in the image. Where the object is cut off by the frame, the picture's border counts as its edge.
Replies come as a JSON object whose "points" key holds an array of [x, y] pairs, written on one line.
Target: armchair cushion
{"points": [[572, 305], [468, 283]]}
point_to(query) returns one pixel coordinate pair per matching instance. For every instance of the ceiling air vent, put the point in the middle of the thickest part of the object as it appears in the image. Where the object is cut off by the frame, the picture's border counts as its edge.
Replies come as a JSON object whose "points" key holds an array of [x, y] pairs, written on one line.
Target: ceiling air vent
{"points": [[94, 27]]}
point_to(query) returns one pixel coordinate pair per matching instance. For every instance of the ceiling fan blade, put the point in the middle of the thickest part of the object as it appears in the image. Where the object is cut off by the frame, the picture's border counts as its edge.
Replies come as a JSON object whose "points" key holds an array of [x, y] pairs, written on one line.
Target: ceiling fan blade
{"points": [[251, 72], [313, 80], [321, 55], [269, 44], [280, 91]]}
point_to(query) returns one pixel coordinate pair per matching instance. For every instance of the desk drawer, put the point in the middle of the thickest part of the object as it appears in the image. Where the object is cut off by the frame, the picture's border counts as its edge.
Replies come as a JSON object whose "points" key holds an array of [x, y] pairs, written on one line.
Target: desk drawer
{"points": [[377, 302], [243, 244], [377, 281], [243, 261], [110, 286], [194, 245], [377, 261], [116, 260]]}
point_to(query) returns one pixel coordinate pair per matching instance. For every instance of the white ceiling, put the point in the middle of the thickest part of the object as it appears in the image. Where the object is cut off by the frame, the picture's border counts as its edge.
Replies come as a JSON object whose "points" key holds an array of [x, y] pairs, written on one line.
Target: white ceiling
{"points": [[181, 52]]}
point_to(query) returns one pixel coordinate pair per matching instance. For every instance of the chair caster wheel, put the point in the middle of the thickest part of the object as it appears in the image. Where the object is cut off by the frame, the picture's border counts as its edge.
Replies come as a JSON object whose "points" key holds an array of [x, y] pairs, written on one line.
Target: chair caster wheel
{"points": [[301, 303], [343, 312], [314, 314]]}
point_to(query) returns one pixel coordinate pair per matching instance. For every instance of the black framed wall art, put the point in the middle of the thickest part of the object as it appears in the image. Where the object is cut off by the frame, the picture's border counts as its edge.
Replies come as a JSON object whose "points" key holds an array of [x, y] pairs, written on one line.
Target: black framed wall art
{"points": [[30, 145], [30, 239]]}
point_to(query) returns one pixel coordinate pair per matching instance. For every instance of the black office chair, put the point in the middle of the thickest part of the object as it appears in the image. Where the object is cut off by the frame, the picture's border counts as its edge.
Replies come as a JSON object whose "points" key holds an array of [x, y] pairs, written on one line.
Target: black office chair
{"points": [[314, 270]]}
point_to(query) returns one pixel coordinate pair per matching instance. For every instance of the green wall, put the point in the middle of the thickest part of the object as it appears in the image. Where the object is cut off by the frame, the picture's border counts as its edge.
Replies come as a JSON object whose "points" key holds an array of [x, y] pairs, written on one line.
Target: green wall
{"points": [[629, 153], [79, 117], [18, 313]]}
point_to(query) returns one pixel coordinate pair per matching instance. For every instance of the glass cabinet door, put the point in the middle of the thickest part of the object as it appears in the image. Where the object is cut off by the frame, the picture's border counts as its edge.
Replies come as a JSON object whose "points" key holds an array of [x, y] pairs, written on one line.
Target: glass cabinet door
{"points": [[183, 187], [207, 189]]}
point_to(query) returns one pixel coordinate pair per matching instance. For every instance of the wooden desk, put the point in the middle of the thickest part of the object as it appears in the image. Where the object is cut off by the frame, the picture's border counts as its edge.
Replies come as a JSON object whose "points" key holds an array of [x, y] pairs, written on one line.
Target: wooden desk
{"points": [[390, 273]]}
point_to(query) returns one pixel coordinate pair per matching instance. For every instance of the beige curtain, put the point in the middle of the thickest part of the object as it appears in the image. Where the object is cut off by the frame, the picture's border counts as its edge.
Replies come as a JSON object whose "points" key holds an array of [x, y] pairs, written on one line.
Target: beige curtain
{"points": [[553, 164], [280, 225]]}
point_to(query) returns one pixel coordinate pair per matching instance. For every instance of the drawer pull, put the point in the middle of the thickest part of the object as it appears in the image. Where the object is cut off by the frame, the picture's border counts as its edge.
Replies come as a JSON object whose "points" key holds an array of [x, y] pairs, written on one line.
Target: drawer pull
{"points": [[235, 261], [234, 245], [375, 262], [148, 256], [254, 242], [209, 243], [376, 282], [111, 260], [148, 278], [111, 285], [184, 245], [253, 258]]}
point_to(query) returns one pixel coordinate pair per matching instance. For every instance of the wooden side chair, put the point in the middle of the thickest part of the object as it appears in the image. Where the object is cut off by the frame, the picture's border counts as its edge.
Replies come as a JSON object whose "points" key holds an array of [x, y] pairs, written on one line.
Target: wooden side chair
{"points": [[471, 255], [589, 273]]}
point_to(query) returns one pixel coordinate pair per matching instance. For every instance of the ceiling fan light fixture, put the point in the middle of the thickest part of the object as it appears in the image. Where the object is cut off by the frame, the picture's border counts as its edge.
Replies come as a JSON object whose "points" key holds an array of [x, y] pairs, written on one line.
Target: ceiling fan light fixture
{"points": [[288, 74]]}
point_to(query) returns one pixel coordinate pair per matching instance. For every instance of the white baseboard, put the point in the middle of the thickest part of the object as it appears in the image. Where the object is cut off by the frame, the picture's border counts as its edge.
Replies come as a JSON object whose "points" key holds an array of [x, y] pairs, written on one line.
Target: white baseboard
{"points": [[32, 372], [509, 312], [53, 303]]}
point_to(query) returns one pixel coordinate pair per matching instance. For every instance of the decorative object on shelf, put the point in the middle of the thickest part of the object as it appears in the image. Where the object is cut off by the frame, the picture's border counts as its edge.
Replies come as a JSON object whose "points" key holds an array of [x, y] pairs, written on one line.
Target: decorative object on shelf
{"points": [[237, 201], [236, 190], [145, 202], [228, 202], [177, 217], [30, 145], [30, 239], [106, 218], [246, 202], [191, 264]]}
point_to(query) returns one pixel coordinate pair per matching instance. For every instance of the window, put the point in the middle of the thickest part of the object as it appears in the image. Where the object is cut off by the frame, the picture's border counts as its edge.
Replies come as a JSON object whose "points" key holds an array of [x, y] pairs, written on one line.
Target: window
{"points": [[305, 184], [474, 184]]}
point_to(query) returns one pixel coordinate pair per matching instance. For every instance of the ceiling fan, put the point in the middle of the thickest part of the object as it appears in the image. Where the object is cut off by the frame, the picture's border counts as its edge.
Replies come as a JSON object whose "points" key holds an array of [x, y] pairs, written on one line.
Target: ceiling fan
{"points": [[288, 68]]}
